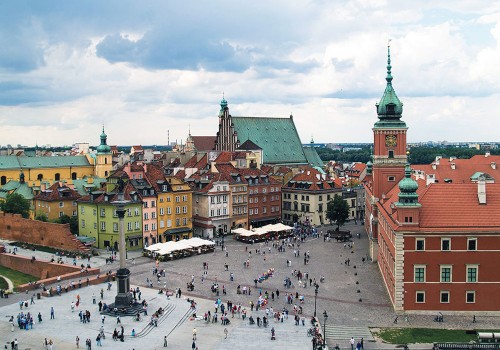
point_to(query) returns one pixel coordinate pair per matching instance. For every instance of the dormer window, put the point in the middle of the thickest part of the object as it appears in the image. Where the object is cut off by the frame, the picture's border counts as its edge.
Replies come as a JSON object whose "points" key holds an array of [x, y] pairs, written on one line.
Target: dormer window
{"points": [[390, 108]]}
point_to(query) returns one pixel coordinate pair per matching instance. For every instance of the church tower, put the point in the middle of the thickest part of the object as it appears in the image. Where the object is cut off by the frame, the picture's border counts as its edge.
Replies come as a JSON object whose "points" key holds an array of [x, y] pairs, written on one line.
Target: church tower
{"points": [[104, 159], [227, 137], [389, 132]]}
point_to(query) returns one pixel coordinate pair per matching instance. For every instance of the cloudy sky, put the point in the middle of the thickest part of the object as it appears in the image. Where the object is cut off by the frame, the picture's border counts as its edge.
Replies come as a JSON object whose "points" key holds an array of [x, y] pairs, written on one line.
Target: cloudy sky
{"points": [[146, 68]]}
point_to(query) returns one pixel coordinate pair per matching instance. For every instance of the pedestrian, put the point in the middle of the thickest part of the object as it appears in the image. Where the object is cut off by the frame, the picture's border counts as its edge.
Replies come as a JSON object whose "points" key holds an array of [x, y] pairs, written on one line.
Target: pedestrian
{"points": [[77, 341], [362, 343], [352, 343], [193, 346], [93, 298], [225, 333], [165, 342], [102, 293], [194, 333], [52, 316]]}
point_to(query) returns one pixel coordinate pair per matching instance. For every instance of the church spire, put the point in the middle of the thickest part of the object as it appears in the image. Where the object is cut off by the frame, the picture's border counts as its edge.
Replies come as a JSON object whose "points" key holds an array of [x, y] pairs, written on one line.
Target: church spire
{"points": [[390, 108], [103, 147]]}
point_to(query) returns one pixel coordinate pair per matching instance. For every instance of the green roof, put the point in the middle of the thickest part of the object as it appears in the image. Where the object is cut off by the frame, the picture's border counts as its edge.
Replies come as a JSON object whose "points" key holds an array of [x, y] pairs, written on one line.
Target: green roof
{"points": [[277, 137], [82, 186], [313, 157], [16, 187], [15, 162]]}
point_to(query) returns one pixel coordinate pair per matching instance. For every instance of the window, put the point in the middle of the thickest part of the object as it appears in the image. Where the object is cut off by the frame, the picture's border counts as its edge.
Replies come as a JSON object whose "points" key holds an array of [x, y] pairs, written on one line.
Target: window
{"points": [[153, 215], [129, 226], [256, 211], [162, 211], [391, 178], [103, 212], [74, 204], [129, 212], [137, 226], [145, 204], [250, 211], [177, 210], [169, 211], [185, 209], [420, 297], [74, 213], [146, 216], [61, 213], [472, 244], [82, 210], [61, 204], [95, 225], [169, 223], [408, 219], [103, 226], [184, 221], [115, 213], [177, 222], [472, 273], [445, 297], [445, 243], [161, 199], [136, 211], [391, 153], [83, 223], [445, 273], [153, 227], [162, 224], [470, 297], [420, 244], [184, 198], [146, 227], [177, 199], [115, 227], [57, 176], [419, 273], [212, 200]]}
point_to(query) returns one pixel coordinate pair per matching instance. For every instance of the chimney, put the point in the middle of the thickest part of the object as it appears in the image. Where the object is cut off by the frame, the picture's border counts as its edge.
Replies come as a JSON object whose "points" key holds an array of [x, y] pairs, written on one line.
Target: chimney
{"points": [[493, 165], [481, 190], [434, 166], [453, 166], [487, 154]]}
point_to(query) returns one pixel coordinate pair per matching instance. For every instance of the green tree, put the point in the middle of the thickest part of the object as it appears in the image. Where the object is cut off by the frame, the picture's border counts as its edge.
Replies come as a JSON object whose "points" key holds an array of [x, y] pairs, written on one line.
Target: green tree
{"points": [[337, 210], [41, 217], [16, 204], [71, 220]]}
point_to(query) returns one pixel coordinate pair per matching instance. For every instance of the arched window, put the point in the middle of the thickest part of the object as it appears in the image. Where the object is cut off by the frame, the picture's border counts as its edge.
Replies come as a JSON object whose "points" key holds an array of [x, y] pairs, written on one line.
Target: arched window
{"points": [[40, 177], [57, 177], [106, 160], [73, 176], [106, 173], [3, 180]]}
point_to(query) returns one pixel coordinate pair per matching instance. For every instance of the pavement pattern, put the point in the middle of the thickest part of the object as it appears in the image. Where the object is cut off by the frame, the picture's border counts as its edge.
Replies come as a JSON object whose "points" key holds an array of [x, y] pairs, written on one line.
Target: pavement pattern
{"points": [[352, 295]]}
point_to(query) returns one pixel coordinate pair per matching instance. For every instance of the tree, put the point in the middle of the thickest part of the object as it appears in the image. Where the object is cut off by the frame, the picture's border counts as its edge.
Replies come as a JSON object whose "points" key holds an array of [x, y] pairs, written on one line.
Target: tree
{"points": [[72, 221], [41, 217], [16, 204], [337, 210]]}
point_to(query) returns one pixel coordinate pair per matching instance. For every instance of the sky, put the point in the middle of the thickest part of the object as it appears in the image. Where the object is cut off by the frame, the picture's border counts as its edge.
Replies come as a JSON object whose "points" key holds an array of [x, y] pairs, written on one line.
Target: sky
{"points": [[149, 69]]}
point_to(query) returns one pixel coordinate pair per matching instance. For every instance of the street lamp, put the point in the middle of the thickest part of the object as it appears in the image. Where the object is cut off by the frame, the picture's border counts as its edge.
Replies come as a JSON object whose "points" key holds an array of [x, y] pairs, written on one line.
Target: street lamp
{"points": [[325, 316], [315, 297]]}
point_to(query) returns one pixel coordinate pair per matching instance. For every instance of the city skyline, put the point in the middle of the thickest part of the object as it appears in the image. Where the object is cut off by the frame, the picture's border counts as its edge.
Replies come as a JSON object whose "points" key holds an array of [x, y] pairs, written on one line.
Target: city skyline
{"points": [[68, 68]]}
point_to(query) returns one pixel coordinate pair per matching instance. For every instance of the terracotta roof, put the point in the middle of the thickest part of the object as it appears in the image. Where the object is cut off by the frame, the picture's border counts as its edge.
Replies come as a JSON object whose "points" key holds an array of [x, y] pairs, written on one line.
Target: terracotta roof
{"points": [[191, 162], [461, 170], [310, 179], [58, 192], [224, 157], [204, 143]]}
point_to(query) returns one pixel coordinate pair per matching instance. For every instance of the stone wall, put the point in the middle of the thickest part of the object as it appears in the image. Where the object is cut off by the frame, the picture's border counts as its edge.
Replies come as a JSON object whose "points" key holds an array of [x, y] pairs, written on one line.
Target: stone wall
{"points": [[14, 227], [45, 271]]}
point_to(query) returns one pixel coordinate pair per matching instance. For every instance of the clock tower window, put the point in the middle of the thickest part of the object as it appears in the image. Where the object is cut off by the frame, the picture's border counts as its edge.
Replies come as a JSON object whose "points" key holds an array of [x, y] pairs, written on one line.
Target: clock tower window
{"points": [[391, 153]]}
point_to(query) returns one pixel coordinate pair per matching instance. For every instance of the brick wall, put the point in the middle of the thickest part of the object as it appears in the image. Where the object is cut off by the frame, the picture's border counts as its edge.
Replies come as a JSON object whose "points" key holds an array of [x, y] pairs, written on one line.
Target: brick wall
{"points": [[14, 227], [45, 271]]}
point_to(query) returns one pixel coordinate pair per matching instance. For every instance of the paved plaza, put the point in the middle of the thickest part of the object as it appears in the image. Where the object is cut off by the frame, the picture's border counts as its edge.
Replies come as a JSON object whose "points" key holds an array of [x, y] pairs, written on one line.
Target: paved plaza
{"points": [[352, 295]]}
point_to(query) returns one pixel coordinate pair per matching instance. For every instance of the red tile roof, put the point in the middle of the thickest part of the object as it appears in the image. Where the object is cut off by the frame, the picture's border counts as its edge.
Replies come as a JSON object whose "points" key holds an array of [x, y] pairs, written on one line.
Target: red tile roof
{"points": [[58, 192], [204, 143], [463, 168]]}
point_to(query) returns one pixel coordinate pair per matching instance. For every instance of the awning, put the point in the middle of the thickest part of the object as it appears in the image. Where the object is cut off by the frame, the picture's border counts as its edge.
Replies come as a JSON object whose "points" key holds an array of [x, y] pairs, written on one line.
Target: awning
{"points": [[133, 236], [175, 231]]}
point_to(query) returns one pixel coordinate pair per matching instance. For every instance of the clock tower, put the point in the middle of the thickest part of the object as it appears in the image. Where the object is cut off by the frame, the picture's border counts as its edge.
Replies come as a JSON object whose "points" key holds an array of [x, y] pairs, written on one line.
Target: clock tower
{"points": [[389, 132]]}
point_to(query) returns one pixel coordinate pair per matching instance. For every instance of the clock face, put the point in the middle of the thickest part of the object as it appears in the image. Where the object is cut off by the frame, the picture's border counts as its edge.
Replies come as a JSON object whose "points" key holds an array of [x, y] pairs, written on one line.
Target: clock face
{"points": [[391, 140]]}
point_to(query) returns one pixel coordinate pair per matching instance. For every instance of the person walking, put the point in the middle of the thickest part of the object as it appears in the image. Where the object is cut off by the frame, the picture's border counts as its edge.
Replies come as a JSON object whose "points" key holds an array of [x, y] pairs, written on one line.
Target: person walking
{"points": [[194, 333], [352, 343], [52, 316], [165, 342], [225, 333], [77, 341]]}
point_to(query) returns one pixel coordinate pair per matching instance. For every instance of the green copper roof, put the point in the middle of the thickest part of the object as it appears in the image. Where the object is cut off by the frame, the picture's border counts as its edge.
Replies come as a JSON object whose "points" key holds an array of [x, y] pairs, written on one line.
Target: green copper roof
{"points": [[390, 108], [15, 162], [16, 187], [103, 147], [277, 137], [369, 167], [82, 186], [408, 189], [313, 157]]}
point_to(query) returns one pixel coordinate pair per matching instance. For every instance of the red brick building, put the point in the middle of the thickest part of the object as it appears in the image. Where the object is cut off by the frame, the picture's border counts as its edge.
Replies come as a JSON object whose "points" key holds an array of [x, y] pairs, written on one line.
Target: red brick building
{"points": [[434, 234]]}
